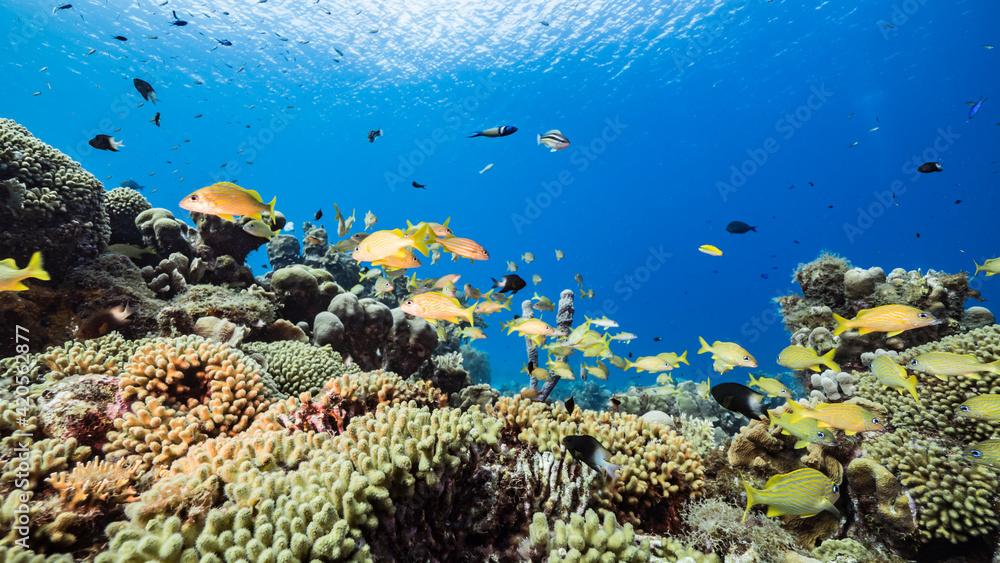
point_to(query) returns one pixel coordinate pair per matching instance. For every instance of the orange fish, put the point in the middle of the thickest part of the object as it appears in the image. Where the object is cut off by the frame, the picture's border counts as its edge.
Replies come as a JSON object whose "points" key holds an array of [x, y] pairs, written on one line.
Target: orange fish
{"points": [[384, 244], [401, 261], [891, 319], [226, 200], [464, 247]]}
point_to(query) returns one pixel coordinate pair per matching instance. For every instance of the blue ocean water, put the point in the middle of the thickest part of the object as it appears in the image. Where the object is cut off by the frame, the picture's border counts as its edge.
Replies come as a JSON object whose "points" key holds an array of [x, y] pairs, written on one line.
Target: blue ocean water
{"points": [[806, 119]]}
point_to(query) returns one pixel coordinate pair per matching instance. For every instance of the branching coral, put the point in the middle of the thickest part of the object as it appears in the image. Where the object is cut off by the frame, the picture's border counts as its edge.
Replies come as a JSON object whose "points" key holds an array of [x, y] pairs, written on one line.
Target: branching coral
{"points": [[656, 463], [717, 527], [590, 537]]}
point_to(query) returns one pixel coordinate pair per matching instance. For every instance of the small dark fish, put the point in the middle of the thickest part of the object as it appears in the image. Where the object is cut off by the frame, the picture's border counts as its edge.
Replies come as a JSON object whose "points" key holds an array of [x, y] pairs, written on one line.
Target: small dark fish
{"points": [[319, 214], [545, 23], [374, 134], [121, 38], [103, 322], [958, 201], [763, 276], [930, 167], [585, 448], [739, 228], [105, 143], [511, 282], [501, 131], [145, 89], [199, 115], [739, 399], [976, 106], [630, 356], [657, 339], [225, 42], [570, 404], [339, 52], [918, 235], [177, 21], [418, 185], [156, 119], [61, 7]]}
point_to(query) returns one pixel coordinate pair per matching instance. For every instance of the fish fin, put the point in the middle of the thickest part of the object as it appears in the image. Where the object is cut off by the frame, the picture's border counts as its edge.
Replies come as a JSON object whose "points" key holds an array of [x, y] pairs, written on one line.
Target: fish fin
{"points": [[684, 358], [477, 134], [538, 139], [467, 313], [35, 269], [913, 388], [978, 268], [828, 360], [751, 499], [419, 239], [992, 367], [891, 334], [773, 511], [842, 324], [799, 444], [611, 470], [270, 208], [973, 375], [751, 380], [990, 274], [230, 218], [18, 286], [705, 348], [9, 262], [254, 194], [941, 377], [850, 432], [815, 369]]}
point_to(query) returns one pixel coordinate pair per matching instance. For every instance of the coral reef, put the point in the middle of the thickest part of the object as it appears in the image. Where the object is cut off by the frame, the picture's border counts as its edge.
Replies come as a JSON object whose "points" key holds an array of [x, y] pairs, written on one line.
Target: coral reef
{"points": [[173, 274], [296, 367], [589, 537], [830, 386], [680, 399], [51, 203], [123, 206]]}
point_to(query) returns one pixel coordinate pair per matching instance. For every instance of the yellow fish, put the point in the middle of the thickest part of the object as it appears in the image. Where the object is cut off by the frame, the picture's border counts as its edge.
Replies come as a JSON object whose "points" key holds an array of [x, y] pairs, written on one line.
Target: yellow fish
{"points": [[770, 386], [435, 306], [983, 407], [535, 329], [848, 417], [540, 374], [710, 250], [991, 267], [259, 229], [370, 219], [891, 319], [651, 364], [673, 359], [402, 261], [889, 373], [986, 453], [528, 257], [489, 306], [464, 247], [536, 279], [559, 255], [598, 370], [511, 267], [803, 357], [804, 430], [560, 369], [384, 244], [804, 493], [705, 388], [727, 355], [226, 200], [664, 379], [472, 333], [943, 365], [344, 224], [440, 230], [11, 277]]}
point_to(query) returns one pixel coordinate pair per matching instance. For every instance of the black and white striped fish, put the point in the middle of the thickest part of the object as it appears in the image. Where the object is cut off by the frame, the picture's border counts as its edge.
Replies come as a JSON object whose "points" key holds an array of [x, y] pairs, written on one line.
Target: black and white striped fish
{"points": [[501, 131], [553, 139]]}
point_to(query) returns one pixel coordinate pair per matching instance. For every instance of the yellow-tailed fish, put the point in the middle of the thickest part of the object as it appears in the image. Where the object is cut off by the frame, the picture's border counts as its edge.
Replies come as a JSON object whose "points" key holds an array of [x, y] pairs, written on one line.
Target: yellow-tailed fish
{"points": [[349, 243], [446, 280], [673, 359], [602, 322], [560, 368], [848, 417], [435, 306], [536, 279], [804, 493], [650, 364], [727, 355], [11, 277], [531, 327], [889, 373], [560, 255], [890, 319], [705, 388], [465, 248], [259, 229], [991, 267], [770, 386], [511, 266], [369, 274], [383, 287], [625, 337], [598, 370], [470, 292], [803, 357], [804, 430], [540, 374], [664, 379], [489, 306], [440, 230], [542, 303], [983, 407], [710, 250], [587, 293], [227, 200], [943, 365], [383, 244], [472, 333], [528, 257], [559, 349], [403, 260], [986, 452], [618, 361]]}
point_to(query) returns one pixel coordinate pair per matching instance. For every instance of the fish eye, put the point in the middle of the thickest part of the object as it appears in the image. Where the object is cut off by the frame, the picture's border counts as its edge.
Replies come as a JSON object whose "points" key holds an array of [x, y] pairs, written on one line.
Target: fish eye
{"points": [[976, 453], [914, 362], [821, 434], [746, 358], [194, 197], [875, 420], [836, 488], [964, 408], [923, 315], [409, 302]]}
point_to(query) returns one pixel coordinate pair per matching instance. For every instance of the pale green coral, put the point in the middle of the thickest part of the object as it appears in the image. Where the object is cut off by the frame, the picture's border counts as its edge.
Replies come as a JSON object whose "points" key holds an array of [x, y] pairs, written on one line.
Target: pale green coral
{"points": [[297, 367], [590, 537]]}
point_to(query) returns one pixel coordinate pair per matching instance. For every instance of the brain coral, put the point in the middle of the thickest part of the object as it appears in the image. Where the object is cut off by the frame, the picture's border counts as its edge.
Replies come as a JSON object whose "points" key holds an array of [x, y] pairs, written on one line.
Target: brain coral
{"points": [[296, 367], [656, 462], [49, 203]]}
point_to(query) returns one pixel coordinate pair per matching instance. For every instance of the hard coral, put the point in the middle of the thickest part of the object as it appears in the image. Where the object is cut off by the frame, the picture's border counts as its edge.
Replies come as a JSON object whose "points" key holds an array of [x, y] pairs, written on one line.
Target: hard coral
{"points": [[124, 205], [296, 367]]}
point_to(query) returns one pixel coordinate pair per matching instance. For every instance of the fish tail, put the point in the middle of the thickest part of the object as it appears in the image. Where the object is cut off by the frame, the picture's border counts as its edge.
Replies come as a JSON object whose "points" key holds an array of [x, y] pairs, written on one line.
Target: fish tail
{"points": [[476, 134], [751, 499], [751, 380], [827, 360], [978, 268], [797, 411], [912, 388], [993, 367], [419, 239], [684, 358], [842, 324], [611, 470], [705, 348], [34, 268], [538, 139], [270, 208], [467, 313]]}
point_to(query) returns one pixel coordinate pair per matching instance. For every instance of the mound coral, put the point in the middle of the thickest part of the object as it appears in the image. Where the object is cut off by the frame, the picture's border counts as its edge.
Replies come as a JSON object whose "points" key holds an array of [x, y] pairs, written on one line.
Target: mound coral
{"points": [[296, 367], [124, 205], [655, 462]]}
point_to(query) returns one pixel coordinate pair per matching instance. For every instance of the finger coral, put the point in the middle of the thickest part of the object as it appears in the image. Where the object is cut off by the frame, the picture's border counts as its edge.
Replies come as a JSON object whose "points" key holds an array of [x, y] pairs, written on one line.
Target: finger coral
{"points": [[590, 537]]}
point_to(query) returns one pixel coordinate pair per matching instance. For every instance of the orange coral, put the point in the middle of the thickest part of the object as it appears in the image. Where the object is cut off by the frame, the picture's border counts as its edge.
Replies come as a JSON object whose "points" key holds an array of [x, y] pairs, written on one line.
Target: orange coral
{"points": [[95, 483]]}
